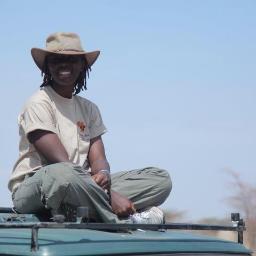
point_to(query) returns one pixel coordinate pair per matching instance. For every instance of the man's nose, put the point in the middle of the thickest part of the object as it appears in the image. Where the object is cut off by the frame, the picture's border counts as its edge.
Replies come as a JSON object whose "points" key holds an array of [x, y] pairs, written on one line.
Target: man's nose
{"points": [[64, 63]]}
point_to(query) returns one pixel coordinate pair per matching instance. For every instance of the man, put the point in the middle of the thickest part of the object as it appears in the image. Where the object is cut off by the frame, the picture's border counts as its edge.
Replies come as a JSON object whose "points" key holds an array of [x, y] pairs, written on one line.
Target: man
{"points": [[62, 162]]}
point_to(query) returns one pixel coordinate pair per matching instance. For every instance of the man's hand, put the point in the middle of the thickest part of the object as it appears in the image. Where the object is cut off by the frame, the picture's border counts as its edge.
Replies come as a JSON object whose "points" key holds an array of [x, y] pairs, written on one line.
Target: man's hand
{"points": [[121, 205], [102, 178]]}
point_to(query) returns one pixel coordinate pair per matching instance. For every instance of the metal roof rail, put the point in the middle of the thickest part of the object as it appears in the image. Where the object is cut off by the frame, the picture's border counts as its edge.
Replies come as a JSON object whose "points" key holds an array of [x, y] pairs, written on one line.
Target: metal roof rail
{"points": [[238, 226]]}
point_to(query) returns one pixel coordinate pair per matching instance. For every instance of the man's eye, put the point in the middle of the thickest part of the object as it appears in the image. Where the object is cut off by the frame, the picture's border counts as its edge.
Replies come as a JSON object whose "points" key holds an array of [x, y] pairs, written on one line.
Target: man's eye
{"points": [[71, 60]]}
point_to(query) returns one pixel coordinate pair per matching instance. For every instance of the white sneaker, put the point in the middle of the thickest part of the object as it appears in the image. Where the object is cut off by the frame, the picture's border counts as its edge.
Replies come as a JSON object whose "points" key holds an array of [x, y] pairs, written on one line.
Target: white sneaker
{"points": [[151, 216]]}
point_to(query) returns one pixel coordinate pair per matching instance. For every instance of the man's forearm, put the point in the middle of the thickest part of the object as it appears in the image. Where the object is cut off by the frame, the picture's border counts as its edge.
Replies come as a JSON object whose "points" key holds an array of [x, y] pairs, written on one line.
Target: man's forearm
{"points": [[98, 165]]}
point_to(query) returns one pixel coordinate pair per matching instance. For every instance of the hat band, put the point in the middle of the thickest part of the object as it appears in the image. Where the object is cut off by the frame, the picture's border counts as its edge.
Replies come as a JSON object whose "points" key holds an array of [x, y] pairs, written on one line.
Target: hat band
{"points": [[66, 50]]}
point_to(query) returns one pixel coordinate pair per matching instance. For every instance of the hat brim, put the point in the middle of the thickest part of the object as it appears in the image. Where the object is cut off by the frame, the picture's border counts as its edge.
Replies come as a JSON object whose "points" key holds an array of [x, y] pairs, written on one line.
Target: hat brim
{"points": [[39, 56]]}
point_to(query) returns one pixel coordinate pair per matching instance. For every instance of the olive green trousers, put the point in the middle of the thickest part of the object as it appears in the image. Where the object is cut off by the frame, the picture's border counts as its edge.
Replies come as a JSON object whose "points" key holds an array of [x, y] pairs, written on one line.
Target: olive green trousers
{"points": [[63, 183]]}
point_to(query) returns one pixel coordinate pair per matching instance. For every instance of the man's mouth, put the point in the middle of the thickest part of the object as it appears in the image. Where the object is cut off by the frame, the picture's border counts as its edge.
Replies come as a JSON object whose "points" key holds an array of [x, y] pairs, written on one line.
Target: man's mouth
{"points": [[64, 73]]}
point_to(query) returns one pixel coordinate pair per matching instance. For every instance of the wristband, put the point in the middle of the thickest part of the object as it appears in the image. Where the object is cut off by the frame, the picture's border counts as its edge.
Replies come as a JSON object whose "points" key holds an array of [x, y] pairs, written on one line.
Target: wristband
{"points": [[105, 170]]}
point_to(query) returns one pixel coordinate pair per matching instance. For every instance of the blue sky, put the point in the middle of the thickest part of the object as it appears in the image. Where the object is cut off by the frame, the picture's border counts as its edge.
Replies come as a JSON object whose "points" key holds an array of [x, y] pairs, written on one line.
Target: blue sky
{"points": [[175, 83]]}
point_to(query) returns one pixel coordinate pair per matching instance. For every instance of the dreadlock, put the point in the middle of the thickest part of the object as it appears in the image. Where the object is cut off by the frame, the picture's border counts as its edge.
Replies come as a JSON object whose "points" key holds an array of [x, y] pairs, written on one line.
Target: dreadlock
{"points": [[80, 82]]}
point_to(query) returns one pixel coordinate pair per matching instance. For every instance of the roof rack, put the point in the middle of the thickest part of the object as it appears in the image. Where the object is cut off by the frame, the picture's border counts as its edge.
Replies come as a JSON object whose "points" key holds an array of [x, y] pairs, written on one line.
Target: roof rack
{"points": [[238, 225], [6, 210]]}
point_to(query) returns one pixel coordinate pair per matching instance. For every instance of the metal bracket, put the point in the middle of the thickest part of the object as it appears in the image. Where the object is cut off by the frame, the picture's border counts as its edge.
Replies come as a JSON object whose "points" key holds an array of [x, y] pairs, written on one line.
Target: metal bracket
{"points": [[240, 224]]}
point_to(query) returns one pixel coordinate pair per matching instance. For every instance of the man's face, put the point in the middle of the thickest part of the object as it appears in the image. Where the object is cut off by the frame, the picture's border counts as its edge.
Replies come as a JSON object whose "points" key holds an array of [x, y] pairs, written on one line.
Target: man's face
{"points": [[65, 69]]}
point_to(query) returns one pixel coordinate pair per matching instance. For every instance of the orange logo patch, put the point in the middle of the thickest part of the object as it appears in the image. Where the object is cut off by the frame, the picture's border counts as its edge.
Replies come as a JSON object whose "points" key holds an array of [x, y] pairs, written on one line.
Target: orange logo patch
{"points": [[81, 125]]}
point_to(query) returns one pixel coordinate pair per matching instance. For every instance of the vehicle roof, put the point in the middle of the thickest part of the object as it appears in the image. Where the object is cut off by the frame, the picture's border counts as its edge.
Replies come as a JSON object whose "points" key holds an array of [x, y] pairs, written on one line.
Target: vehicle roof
{"points": [[66, 241], [94, 242]]}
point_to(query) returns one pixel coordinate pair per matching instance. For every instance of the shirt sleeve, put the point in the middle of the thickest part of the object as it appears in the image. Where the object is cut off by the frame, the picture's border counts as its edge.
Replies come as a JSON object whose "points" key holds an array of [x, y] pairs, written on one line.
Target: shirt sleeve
{"points": [[37, 116], [96, 126]]}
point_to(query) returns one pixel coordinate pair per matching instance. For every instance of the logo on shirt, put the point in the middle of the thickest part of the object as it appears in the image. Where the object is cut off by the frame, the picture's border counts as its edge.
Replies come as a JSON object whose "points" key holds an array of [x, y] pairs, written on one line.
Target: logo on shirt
{"points": [[81, 125]]}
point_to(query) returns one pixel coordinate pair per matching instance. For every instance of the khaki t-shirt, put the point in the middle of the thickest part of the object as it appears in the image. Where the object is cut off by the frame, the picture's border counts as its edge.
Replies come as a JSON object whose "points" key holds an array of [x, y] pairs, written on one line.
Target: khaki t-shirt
{"points": [[75, 121]]}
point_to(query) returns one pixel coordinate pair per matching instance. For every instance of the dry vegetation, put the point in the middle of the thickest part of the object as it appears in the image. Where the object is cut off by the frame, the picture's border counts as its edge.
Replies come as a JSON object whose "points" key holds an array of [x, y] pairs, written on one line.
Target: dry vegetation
{"points": [[242, 199]]}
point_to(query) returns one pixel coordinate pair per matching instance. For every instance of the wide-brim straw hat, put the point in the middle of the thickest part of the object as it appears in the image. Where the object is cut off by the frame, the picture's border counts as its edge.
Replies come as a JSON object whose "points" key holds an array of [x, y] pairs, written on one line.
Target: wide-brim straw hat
{"points": [[63, 43]]}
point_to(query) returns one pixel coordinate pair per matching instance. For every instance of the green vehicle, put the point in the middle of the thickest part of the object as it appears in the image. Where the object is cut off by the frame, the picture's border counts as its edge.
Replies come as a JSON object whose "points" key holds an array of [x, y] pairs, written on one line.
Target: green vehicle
{"points": [[29, 234]]}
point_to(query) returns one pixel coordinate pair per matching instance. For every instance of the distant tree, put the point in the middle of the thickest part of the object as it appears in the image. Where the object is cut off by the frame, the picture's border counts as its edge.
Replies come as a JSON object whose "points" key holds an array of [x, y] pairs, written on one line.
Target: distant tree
{"points": [[243, 199], [174, 215]]}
